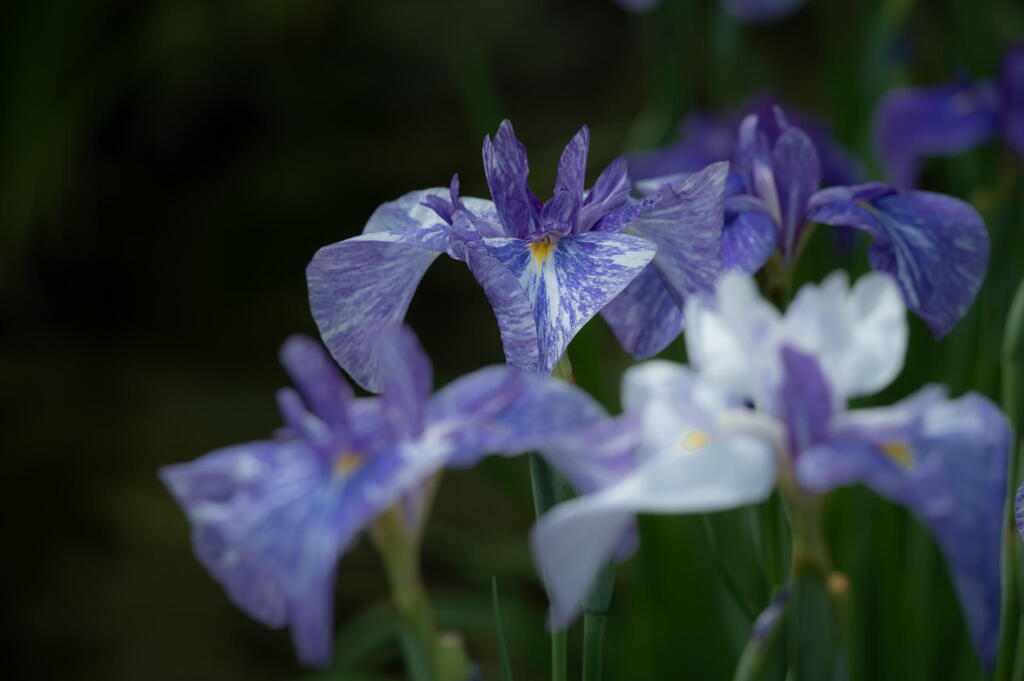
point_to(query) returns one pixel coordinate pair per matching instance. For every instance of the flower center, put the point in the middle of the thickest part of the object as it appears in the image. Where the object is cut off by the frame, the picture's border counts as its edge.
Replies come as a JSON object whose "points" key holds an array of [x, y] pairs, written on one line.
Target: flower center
{"points": [[346, 464], [541, 250], [693, 441], [899, 452]]}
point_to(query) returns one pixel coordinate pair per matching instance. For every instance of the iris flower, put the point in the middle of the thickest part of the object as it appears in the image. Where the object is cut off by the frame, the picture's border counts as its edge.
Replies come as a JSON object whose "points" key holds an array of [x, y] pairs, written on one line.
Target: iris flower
{"points": [[948, 119], [935, 246], [271, 518], [945, 460], [546, 268]]}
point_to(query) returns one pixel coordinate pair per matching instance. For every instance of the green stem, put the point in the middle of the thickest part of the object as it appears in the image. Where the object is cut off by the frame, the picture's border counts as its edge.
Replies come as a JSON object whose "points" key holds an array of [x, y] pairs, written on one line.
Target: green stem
{"points": [[549, 489], [595, 615]]}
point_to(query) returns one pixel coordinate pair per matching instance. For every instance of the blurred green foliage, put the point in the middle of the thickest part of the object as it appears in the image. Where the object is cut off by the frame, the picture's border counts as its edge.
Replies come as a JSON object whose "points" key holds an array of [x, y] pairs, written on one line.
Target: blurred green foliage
{"points": [[167, 168]]}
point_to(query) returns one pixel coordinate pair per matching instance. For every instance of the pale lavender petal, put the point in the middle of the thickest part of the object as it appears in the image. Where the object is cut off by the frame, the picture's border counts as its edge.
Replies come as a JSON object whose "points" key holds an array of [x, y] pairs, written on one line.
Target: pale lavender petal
{"points": [[686, 224], [949, 468], [362, 285], [506, 168], [913, 123], [645, 317], [407, 212], [935, 246], [797, 177], [568, 282], [756, 11]]}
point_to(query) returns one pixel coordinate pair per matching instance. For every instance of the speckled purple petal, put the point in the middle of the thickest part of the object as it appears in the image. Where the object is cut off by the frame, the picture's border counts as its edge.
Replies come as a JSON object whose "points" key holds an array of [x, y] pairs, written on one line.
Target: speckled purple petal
{"points": [[512, 307], [749, 238], [686, 224], [506, 168], [949, 468], [935, 246], [362, 285], [797, 176], [569, 283], [913, 123], [572, 167], [645, 317], [757, 11]]}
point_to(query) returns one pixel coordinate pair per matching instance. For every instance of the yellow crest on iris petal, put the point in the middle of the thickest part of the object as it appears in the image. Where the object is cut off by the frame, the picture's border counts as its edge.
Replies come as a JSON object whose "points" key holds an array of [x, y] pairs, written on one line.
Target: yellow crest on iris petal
{"points": [[541, 250], [899, 452], [693, 441], [345, 464]]}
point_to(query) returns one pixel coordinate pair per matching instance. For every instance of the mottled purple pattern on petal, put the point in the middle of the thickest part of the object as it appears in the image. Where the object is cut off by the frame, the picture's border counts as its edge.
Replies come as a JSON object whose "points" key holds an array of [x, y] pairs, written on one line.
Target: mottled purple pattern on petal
{"points": [[610, 192], [686, 223], [512, 307], [913, 123], [362, 285], [756, 11], [748, 240], [948, 465], [797, 176], [645, 317], [935, 246], [572, 167], [568, 282], [506, 168]]}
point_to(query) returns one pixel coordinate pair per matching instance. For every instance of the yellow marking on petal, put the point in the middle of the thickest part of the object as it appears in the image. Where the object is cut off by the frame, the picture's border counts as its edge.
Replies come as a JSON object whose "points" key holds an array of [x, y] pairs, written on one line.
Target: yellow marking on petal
{"points": [[693, 441], [345, 464], [900, 453], [542, 250]]}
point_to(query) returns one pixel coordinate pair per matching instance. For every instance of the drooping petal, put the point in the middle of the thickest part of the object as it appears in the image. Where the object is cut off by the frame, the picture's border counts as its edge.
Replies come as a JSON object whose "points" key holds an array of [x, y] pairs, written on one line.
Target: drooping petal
{"points": [[858, 336], [757, 11], [733, 339], [805, 401], [569, 281], [935, 246], [362, 285], [506, 168], [949, 468], [512, 307], [686, 224], [609, 193], [406, 380], [913, 123], [797, 176], [645, 317], [650, 388], [573, 540], [749, 235]]}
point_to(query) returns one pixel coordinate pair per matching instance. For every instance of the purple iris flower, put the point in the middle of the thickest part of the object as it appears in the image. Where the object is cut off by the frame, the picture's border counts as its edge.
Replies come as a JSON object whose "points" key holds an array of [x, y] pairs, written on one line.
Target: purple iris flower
{"points": [[943, 459], [934, 245], [944, 120], [546, 268], [271, 518], [751, 11]]}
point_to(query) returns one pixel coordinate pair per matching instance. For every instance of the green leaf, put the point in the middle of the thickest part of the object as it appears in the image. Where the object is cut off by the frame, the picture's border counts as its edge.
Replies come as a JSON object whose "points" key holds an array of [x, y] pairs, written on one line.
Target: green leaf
{"points": [[506, 669]]}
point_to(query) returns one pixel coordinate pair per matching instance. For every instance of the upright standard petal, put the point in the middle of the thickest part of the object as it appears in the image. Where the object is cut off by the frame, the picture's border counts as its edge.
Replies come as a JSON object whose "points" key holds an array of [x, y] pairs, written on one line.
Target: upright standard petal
{"points": [[946, 461], [686, 224], [859, 336], [797, 176], [645, 317], [506, 168], [362, 285], [609, 193], [934, 245], [805, 401], [749, 235], [406, 381], [913, 123], [568, 281], [322, 386]]}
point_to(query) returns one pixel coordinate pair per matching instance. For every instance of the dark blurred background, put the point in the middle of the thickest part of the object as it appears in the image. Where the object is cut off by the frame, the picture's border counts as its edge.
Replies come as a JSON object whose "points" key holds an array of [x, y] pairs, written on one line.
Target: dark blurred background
{"points": [[168, 168]]}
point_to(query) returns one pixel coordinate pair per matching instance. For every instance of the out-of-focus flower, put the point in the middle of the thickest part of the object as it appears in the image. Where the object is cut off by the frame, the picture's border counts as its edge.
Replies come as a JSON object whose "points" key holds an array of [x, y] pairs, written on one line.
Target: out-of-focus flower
{"points": [[943, 459], [1018, 511], [682, 461], [271, 518], [944, 120], [546, 268], [752, 11], [935, 246]]}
